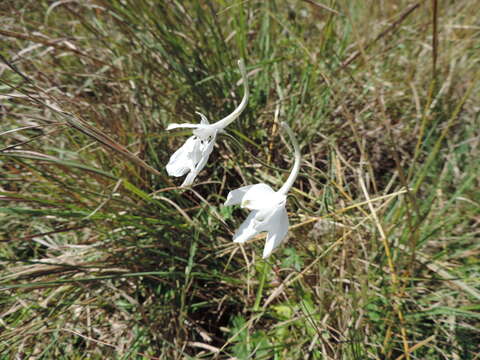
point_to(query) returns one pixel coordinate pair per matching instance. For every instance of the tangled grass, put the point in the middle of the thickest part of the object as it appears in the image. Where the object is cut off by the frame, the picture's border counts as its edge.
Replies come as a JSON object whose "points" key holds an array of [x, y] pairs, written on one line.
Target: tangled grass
{"points": [[103, 256]]}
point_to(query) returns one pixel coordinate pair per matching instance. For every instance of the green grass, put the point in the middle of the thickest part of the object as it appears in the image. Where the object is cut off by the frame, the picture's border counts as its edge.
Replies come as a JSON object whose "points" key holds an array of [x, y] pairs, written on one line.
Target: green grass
{"points": [[102, 256]]}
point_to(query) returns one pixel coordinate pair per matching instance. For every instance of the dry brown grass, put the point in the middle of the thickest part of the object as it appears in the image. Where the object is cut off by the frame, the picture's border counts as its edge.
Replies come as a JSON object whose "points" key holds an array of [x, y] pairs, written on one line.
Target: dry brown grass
{"points": [[103, 257]]}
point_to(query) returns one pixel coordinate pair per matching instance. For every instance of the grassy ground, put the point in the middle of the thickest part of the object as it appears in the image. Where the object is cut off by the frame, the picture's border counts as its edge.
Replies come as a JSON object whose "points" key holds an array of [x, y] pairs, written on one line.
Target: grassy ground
{"points": [[102, 256]]}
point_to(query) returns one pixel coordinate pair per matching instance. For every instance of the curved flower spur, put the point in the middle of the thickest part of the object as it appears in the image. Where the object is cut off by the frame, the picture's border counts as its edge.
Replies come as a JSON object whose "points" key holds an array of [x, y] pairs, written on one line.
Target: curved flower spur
{"points": [[268, 206], [193, 155]]}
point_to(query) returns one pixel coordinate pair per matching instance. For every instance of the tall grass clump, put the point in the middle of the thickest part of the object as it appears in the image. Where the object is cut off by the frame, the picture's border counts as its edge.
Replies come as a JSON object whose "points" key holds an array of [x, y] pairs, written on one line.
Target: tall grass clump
{"points": [[104, 256]]}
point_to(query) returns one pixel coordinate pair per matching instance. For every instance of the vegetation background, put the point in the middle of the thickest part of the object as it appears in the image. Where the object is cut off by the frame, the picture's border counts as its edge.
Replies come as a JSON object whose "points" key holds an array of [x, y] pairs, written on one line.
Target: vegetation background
{"points": [[102, 256]]}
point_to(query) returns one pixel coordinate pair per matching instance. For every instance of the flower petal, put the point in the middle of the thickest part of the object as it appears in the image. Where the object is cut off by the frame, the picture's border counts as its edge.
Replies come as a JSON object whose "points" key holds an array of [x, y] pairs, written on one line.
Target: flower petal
{"points": [[184, 158], [205, 131], [205, 150], [204, 120], [261, 196], [247, 229], [190, 178], [277, 230], [235, 197]]}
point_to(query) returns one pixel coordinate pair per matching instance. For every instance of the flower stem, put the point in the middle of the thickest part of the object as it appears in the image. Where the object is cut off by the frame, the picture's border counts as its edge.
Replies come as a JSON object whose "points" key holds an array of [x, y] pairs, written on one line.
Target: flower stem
{"points": [[264, 270], [296, 166], [221, 124]]}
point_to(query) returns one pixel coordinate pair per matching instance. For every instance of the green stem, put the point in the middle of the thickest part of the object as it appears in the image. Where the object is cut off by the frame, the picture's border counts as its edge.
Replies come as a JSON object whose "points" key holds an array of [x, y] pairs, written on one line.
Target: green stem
{"points": [[256, 306]]}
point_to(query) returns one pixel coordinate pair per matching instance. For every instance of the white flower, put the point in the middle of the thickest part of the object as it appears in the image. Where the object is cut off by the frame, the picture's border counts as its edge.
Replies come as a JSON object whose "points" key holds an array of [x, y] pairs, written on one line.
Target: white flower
{"points": [[268, 207], [193, 155]]}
